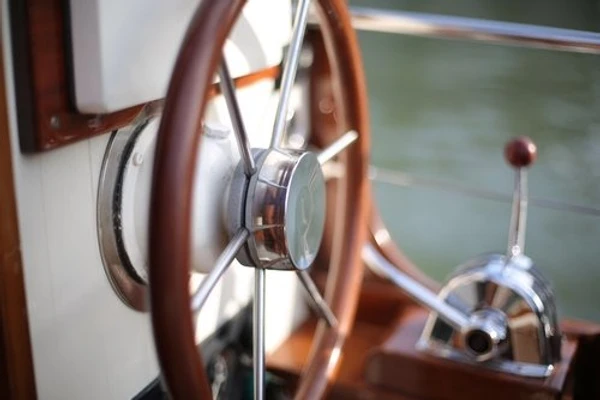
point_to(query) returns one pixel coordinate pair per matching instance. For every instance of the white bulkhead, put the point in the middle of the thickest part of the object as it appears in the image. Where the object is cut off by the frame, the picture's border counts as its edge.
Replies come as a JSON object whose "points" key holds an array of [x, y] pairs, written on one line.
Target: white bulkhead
{"points": [[87, 344]]}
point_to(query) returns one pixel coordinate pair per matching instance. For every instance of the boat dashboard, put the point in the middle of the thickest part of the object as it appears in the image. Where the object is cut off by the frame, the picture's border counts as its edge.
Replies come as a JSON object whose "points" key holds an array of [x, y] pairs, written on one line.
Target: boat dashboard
{"points": [[187, 213]]}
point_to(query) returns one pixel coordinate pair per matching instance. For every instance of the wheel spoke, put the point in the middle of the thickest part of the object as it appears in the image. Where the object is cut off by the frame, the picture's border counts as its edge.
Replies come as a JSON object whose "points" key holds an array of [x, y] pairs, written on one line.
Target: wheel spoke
{"points": [[223, 262], [317, 301], [258, 334], [228, 90], [381, 266], [337, 147], [289, 71]]}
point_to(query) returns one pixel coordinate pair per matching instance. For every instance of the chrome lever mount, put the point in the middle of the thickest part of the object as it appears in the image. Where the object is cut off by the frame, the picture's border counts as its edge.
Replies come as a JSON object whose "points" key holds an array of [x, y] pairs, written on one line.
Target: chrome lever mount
{"points": [[496, 311]]}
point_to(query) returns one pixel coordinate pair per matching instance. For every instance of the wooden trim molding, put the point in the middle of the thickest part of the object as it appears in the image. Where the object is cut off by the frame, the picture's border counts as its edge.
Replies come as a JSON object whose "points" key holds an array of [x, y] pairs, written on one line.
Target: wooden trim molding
{"points": [[250, 79], [16, 365], [47, 116]]}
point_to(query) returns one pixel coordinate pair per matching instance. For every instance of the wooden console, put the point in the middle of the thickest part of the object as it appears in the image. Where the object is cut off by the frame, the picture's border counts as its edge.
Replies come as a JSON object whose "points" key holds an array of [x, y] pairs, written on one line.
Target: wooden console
{"points": [[397, 365], [380, 360]]}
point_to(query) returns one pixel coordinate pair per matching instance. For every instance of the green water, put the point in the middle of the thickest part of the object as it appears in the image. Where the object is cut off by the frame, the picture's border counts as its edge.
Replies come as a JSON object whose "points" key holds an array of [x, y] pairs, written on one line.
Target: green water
{"points": [[444, 109]]}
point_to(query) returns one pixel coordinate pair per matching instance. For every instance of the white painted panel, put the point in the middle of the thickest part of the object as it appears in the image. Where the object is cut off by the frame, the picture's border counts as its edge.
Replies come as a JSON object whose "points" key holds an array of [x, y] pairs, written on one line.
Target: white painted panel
{"points": [[123, 51], [86, 343]]}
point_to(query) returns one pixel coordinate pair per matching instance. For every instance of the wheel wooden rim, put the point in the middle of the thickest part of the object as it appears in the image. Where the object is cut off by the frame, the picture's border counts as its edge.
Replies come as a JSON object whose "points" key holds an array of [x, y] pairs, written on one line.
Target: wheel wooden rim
{"points": [[171, 200]]}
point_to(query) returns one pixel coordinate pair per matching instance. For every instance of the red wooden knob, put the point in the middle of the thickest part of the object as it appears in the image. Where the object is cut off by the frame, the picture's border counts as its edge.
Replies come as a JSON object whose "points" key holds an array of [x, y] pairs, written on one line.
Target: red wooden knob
{"points": [[520, 152]]}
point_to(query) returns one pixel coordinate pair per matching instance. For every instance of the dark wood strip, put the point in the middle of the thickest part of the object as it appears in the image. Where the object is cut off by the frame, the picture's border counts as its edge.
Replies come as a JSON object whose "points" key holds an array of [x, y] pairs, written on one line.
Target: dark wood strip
{"points": [[16, 365], [250, 79]]}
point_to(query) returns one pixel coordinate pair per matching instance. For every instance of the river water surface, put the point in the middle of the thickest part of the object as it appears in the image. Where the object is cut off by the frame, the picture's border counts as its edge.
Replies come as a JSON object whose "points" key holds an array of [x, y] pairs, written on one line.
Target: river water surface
{"points": [[444, 110]]}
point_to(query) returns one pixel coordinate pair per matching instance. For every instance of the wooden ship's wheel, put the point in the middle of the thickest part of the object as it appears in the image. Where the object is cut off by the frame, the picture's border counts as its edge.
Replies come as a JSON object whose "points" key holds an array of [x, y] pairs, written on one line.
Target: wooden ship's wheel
{"points": [[277, 200]]}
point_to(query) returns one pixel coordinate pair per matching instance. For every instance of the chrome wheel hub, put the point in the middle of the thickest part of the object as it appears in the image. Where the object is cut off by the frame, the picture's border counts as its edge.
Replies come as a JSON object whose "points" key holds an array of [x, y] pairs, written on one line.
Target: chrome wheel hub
{"points": [[284, 210]]}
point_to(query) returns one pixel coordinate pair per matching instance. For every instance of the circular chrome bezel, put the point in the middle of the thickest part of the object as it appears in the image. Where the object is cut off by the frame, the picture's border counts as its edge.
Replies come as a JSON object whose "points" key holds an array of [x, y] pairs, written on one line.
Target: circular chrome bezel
{"points": [[122, 275]]}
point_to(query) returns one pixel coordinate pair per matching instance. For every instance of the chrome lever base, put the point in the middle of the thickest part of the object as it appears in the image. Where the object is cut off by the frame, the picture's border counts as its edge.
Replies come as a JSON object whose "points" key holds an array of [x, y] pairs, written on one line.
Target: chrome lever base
{"points": [[515, 326]]}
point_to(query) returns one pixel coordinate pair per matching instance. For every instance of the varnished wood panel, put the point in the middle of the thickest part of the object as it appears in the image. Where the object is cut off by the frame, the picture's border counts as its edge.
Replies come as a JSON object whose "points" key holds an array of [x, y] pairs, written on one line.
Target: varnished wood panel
{"points": [[16, 366], [289, 360], [586, 371], [378, 309]]}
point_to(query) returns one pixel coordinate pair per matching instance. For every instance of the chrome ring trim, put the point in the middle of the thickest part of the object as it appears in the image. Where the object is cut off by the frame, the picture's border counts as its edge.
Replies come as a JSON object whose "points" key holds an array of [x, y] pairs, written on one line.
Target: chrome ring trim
{"points": [[126, 283]]}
